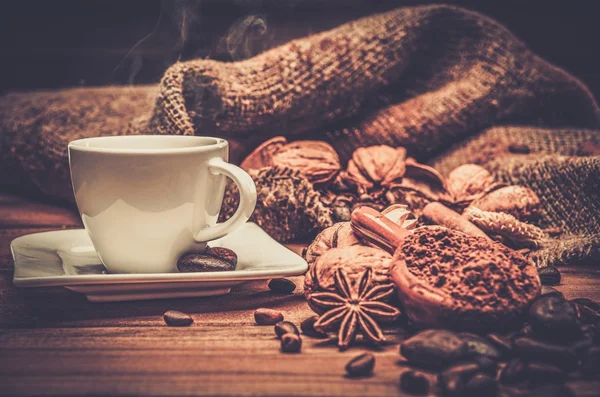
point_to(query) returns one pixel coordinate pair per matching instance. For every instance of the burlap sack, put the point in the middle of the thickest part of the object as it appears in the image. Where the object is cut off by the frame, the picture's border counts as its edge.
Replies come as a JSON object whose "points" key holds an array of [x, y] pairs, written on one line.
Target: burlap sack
{"points": [[451, 85]]}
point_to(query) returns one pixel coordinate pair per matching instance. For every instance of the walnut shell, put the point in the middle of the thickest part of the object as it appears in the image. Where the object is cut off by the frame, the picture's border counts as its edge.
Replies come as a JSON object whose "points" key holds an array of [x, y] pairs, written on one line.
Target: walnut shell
{"points": [[339, 235], [262, 156], [518, 201], [468, 181], [316, 160], [354, 259], [445, 278]]}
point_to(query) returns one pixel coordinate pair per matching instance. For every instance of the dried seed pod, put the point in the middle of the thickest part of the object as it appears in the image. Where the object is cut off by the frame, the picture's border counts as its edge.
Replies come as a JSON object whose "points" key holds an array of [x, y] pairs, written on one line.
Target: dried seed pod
{"points": [[520, 233], [518, 201]]}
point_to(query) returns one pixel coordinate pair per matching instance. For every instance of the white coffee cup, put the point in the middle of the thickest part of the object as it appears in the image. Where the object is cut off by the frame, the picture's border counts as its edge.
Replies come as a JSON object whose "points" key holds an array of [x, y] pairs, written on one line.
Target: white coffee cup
{"points": [[147, 200]]}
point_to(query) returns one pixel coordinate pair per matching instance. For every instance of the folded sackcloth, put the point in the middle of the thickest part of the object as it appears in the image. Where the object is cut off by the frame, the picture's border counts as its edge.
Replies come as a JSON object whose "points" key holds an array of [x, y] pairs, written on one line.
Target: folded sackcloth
{"points": [[450, 85]]}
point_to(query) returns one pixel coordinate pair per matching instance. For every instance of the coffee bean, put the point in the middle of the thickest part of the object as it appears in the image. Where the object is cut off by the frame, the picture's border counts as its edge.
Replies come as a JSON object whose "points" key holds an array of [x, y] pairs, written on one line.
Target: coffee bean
{"points": [[174, 318], [545, 373], [208, 261], [264, 316], [585, 314], [531, 349], [481, 385], [551, 391], [414, 382], [587, 303], [486, 365], [361, 365], [581, 346], [546, 290], [285, 327], [554, 318], [308, 329], [453, 378], [513, 372], [290, 343], [501, 343], [590, 365], [282, 285], [434, 348], [478, 346], [549, 275]]}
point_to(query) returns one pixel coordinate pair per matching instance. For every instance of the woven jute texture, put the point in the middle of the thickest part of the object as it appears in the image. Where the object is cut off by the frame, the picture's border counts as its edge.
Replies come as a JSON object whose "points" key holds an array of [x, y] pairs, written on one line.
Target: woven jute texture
{"points": [[450, 85]]}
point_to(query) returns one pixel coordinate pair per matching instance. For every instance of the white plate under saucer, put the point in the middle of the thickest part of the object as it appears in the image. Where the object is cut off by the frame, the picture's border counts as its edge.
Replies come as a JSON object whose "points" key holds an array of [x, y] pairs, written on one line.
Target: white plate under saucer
{"points": [[67, 258]]}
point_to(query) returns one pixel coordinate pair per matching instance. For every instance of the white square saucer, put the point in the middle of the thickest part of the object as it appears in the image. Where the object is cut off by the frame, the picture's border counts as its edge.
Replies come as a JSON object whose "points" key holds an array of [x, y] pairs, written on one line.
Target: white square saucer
{"points": [[67, 258]]}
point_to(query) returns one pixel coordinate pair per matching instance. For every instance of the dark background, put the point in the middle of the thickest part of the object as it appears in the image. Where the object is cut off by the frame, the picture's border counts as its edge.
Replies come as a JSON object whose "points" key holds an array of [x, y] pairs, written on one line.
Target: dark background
{"points": [[62, 43]]}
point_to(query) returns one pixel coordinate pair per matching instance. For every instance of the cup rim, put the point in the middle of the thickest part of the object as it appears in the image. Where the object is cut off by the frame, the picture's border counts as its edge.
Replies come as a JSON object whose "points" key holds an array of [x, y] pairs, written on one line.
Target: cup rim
{"points": [[80, 144]]}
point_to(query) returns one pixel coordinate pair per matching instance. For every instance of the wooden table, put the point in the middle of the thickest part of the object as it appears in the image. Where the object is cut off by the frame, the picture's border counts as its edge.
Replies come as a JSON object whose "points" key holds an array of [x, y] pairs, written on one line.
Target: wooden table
{"points": [[54, 342]]}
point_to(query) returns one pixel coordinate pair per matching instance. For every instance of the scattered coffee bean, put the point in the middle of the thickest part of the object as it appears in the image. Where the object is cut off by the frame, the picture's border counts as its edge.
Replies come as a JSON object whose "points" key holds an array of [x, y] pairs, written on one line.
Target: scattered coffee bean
{"points": [[211, 260], [546, 290], [434, 348], [486, 365], [513, 372], [453, 385], [545, 373], [554, 318], [479, 347], [481, 385], [590, 365], [581, 346], [585, 314], [173, 318], [264, 316], [361, 366], [453, 378], [531, 349], [414, 382], [501, 343], [549, 275], [308, 328], [551, 391], [290, 343], [587, 303], [282, 285], [285, 327], [519, 148]]}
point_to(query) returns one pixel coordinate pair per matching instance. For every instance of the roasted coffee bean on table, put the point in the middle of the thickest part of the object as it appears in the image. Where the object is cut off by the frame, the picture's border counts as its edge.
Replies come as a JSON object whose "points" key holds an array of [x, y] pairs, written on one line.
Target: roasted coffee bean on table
{"points": [[282, 285], [291, 343], [547, 290], [587, 303], [434, 348], [531, 349], [308, 329], [551, 391], [452, 379], [211, 260], [502, 343], [285, 327], [173, 318], [478, 346], [554, 318], [514, 371], [549, 275], [486, 365], [361, 365], [264, 316], [414, 382], [590, 365], [481, 385], [540, 372]]}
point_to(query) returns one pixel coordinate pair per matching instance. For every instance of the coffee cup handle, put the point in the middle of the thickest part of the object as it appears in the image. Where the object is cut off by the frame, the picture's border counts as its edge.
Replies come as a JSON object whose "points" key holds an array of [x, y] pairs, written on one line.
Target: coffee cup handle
{"points": [[247, 190]]}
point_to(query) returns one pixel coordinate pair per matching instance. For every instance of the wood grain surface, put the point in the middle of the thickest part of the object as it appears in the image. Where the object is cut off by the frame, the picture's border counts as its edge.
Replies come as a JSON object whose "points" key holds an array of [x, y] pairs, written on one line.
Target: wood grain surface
{"points": [[54, 342]]}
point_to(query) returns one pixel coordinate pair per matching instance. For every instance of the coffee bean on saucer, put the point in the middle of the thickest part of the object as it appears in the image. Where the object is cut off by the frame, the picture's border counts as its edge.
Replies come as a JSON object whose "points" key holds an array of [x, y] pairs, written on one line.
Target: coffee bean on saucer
{"points": [[282, 285], [173, 318], [290, 343], [285, 327], [308, 328], [264, 316], [361, 366], [549, 275], [414, 382], [481, 385], [211, 260], [513, 372]]}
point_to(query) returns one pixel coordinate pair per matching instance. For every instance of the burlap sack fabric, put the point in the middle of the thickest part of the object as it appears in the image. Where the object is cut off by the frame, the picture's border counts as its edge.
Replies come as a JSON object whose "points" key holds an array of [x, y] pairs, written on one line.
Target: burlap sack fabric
{"points": [[450, 85]]}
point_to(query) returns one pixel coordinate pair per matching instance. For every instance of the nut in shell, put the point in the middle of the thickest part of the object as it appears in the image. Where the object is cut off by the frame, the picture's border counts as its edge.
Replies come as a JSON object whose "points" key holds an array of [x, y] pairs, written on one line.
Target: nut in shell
{"points": [[316, 160]]}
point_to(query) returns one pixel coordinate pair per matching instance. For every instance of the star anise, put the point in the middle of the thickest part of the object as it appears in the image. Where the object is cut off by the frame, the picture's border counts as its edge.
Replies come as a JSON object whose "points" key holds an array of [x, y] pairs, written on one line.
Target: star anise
{"points": [[354, 308]]}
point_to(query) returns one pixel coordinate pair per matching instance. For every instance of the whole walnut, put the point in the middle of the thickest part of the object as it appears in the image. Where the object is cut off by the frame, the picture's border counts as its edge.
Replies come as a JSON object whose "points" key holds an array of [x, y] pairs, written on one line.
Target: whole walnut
{"points": [[354, 260], [339, 235]]}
